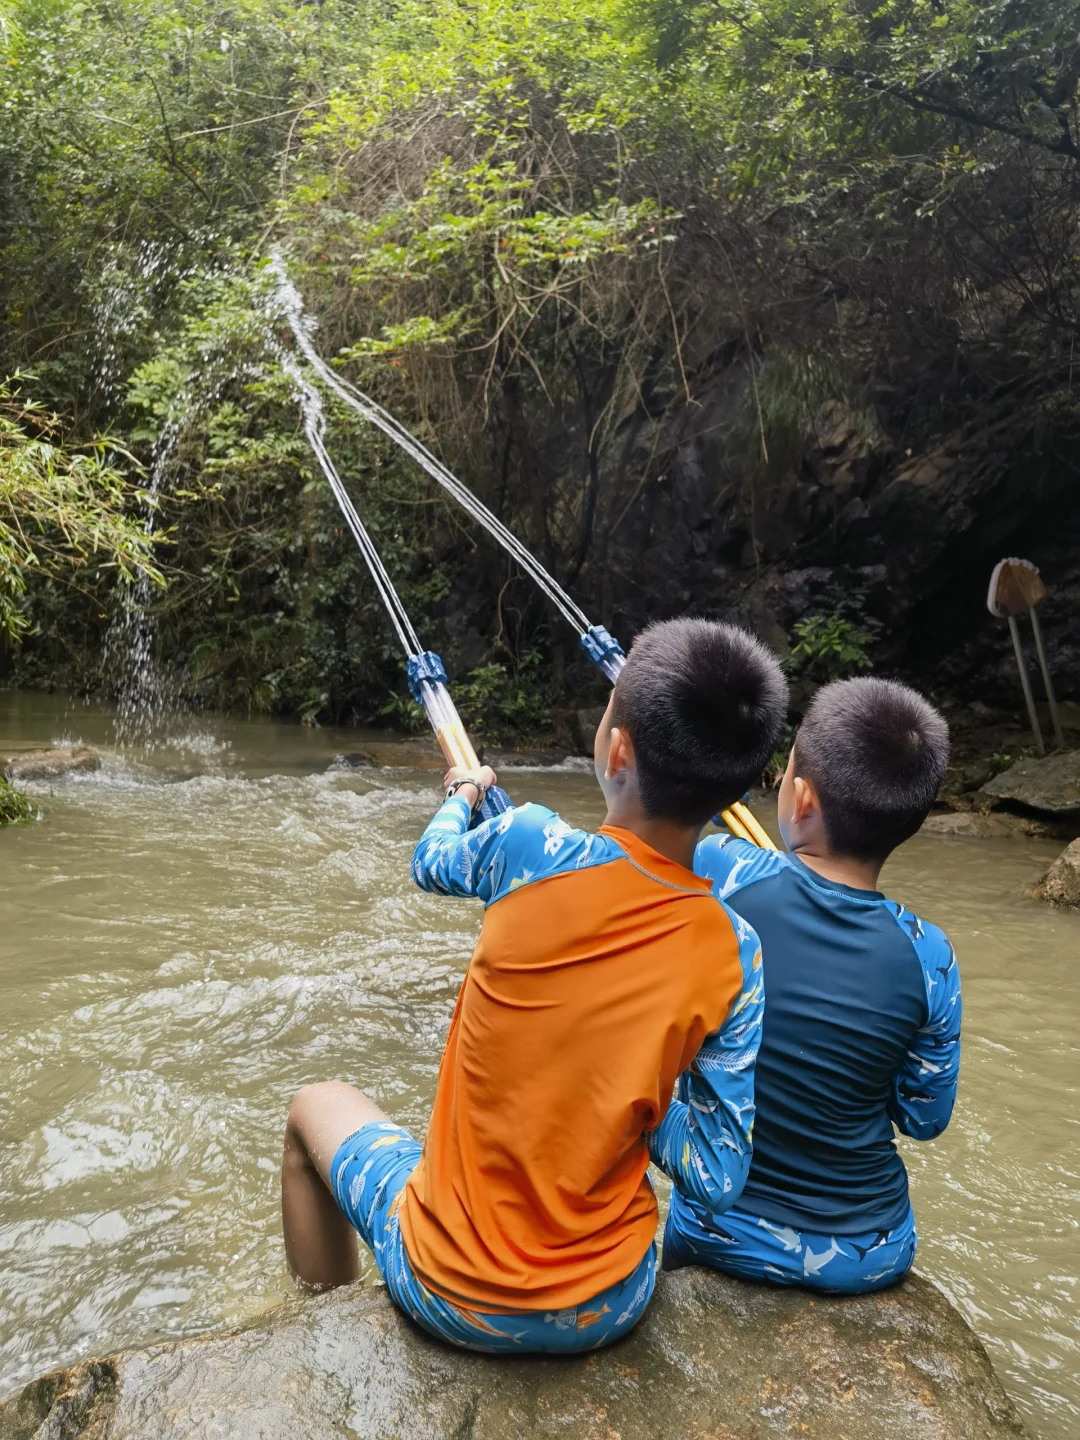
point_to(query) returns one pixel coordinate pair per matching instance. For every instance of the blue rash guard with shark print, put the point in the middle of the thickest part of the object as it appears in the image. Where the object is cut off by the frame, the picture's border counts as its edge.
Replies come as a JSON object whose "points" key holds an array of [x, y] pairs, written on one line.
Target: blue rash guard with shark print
{"points": [[861, 1032]]}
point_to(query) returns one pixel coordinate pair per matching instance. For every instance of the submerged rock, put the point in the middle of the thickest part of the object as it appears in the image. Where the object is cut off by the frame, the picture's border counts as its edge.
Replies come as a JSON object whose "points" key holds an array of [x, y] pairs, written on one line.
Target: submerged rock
{"points": [[1051, 784], [968, 825], [1061, 883], [713, 1358], [50, 764]]}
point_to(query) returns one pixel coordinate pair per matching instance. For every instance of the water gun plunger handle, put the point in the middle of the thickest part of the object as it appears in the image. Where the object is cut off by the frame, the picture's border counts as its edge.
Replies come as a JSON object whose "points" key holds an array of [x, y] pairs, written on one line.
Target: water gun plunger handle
{"points": [[427, 682]]}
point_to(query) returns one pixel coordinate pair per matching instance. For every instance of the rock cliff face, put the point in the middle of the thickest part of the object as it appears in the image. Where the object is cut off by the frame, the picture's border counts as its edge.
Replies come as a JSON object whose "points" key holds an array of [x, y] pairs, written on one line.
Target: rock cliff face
{"points": [[915, 534], [713, 1360]]}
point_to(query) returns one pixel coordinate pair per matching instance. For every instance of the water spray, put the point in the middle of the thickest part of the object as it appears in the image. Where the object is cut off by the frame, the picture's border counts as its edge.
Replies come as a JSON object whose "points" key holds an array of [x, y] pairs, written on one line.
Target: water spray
{"points": [[427, 678], [600, 646]]}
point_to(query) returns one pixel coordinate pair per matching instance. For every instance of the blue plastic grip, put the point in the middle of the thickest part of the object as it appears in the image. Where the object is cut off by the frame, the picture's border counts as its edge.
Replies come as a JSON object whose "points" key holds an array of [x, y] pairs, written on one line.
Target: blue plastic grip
{"points": [[425, 666], [599, 644]]}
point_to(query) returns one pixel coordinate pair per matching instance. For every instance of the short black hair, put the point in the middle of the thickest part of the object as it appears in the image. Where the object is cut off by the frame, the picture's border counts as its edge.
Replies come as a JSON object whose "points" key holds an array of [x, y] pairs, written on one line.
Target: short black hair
{"points": [[876, 752], [703, 704]]}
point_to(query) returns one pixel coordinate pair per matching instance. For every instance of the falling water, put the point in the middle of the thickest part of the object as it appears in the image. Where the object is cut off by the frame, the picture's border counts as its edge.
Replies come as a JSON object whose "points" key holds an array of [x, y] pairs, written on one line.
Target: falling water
{"points": [[145, 693]]}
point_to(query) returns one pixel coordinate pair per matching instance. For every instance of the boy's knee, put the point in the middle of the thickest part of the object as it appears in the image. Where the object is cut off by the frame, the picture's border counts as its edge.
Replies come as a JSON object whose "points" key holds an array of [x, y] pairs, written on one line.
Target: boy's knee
{"points": [[320, 1096], [321, 1116]]}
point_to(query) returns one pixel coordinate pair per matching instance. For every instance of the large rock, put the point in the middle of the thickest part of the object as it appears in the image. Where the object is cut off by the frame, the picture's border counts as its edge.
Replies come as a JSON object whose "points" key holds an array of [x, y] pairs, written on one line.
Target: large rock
{"points": [[712, 1358], [1061, 883], [50, 764], [1051, 785], [583, 726]]}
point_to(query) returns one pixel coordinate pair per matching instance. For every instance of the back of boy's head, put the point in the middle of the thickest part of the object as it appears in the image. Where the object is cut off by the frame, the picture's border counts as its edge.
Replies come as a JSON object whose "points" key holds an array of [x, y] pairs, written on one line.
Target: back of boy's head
{"points": [[703, 704], [876, 752]]}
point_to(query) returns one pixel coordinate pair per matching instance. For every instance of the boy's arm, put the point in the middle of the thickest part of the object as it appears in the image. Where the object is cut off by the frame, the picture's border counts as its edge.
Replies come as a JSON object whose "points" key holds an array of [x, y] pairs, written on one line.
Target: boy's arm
{"points": [[451, 859], [924, 1086], [704, 1141], [526, 843]]}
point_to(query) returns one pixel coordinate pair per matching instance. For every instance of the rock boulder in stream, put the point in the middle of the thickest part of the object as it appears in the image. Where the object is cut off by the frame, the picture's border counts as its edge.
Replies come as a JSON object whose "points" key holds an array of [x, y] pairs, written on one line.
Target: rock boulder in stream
{"points": [[713, 1358], [1050, 785], [1061, 883], [50, 764]]}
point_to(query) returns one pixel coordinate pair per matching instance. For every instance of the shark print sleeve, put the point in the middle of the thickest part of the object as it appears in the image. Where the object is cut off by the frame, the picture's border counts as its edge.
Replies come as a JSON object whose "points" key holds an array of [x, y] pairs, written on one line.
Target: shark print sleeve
{"points": [[526, 843], [704, 1141], [924, 1087], [731, 863]]}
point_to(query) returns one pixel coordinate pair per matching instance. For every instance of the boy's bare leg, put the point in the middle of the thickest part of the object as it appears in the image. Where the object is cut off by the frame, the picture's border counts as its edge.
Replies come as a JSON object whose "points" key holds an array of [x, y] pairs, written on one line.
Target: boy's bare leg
{"points": [[320, 1244]]}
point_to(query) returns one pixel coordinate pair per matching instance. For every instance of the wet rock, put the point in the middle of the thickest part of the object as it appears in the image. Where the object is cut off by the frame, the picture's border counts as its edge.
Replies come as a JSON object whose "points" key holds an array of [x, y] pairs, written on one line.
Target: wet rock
{"points": [[962, 779], [583, 725], [353, 760], [522, 759], [968, 825], [713, 1358], [1061, 883], [50, 764], [1051, 785]]}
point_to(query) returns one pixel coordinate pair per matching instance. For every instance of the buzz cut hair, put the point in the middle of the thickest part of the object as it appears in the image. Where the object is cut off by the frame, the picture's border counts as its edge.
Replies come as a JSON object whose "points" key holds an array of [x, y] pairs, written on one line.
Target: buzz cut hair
{"points": [[703, 704], [876, 752]]}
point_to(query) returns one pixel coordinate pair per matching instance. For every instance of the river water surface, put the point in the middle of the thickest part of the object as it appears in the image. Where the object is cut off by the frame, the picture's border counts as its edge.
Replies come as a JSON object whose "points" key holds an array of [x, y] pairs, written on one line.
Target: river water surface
{"points": [[192, 934]]}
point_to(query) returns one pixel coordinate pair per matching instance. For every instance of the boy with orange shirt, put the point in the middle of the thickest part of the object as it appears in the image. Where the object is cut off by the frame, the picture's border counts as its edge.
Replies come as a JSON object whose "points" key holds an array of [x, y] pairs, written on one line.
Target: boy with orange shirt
{"points": [[526, 1221]]}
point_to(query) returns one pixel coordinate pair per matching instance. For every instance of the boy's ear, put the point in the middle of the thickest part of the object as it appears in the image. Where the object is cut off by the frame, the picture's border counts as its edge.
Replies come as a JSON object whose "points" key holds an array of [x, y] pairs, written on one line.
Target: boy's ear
{"points": [[805, 799], [621, 753]]}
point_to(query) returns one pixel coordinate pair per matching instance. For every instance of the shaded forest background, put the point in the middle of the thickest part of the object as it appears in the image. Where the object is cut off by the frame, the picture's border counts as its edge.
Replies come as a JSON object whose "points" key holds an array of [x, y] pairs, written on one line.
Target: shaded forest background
{"points": [[759, 310]]}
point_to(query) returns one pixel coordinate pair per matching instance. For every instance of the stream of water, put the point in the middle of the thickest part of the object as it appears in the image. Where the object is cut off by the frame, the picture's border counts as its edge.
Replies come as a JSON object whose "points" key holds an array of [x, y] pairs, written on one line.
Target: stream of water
{"points": [[192, 934]]}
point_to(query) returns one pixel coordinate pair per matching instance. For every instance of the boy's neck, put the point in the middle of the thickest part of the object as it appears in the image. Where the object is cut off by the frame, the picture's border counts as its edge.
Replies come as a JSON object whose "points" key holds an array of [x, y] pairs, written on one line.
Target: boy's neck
{"points": [[858, 874], [674, 842]]}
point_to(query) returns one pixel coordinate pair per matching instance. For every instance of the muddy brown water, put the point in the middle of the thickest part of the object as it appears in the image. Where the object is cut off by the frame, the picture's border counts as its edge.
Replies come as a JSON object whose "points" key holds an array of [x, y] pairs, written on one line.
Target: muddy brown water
{"points": [[196, 931]]}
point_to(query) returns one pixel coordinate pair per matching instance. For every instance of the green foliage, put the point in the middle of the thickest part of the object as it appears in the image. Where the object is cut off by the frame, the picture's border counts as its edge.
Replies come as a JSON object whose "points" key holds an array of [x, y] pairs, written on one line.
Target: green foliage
{"points": [[536, 231], [829, 646], [15, 807], [65, 515], [500, 704]]}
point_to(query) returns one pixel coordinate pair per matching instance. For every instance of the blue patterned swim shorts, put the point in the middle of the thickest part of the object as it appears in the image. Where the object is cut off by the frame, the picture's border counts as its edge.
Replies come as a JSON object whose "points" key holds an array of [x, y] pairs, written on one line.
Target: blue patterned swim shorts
{"points": [[755, 1249], [368, 1174]]}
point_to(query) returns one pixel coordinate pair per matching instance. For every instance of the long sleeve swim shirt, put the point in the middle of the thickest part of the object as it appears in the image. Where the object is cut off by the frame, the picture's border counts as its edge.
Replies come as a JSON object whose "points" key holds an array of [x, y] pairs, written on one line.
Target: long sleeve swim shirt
{"points": [[861, 1033], [603, 971]]}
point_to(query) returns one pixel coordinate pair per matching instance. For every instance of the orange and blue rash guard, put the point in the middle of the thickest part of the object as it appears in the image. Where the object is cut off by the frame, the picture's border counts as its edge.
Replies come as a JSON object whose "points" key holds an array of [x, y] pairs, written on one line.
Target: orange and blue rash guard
{"points": [[603, 972]]}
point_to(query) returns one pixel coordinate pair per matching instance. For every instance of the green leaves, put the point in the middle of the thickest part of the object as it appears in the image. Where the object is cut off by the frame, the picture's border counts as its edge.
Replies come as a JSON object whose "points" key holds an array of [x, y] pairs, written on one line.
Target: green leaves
{"points": [[829, 646], [65, 514]]}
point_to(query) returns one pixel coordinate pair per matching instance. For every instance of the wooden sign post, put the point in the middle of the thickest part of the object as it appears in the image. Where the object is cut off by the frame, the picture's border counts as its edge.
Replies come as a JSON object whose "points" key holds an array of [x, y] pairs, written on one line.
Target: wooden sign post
{"points": [[1016, 588]]}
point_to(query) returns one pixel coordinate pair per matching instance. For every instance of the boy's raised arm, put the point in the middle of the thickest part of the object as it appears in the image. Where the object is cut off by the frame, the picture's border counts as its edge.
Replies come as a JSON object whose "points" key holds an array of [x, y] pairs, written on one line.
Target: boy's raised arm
{"points": [[704, 1141], [451, 859], [522, 844], [924, 1087]]}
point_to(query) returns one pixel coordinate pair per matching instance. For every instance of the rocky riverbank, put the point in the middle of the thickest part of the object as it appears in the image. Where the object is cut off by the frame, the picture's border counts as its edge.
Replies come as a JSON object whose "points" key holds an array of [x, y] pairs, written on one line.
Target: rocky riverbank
{"points": [[714, 1359]]}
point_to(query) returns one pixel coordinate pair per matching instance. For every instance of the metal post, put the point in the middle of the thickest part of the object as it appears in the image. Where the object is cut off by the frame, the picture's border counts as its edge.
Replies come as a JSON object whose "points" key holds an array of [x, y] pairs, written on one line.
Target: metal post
{"points": [[1055, 718], [1014, 631]]}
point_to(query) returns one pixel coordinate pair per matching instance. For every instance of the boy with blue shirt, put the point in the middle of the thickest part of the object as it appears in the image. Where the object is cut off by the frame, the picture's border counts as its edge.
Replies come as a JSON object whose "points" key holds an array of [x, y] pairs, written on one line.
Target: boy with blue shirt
{"points": [[862, 1014]]}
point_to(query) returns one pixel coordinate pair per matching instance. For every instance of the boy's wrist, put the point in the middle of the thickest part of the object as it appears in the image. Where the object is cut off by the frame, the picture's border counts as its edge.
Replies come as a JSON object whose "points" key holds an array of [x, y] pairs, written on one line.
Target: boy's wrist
{"points": [[466, 788]]}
